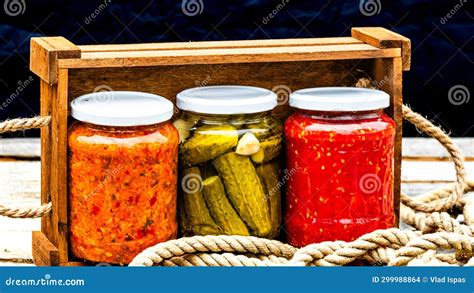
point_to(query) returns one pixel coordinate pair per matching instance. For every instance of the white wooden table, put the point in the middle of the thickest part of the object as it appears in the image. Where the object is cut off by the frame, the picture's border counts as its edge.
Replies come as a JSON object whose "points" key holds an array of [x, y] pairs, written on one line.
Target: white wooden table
{"points": [[425, 166]]}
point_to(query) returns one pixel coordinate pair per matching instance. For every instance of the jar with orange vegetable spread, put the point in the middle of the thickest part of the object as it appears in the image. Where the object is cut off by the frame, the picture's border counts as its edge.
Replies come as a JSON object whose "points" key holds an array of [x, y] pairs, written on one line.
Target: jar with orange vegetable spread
{"points": [[122, 172]]}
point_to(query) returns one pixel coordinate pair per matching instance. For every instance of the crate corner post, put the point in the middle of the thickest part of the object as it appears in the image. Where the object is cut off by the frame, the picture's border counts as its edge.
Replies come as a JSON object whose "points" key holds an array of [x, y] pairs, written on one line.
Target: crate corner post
{"points": [[388, 76], [50, 246]]}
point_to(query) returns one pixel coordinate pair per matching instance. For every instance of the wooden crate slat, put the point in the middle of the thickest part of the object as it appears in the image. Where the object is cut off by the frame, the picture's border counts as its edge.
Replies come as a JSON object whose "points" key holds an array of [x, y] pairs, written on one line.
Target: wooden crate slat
{"points": [[232, 55], [220, 44], [421, 148], [20, 147], [387, 73], [383, 38], [45, 53], [432, 171]]}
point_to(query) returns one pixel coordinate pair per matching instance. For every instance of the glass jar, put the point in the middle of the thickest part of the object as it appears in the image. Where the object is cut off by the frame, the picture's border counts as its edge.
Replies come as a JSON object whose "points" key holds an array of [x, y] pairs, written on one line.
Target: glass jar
{"points": [[229, 159], [122, 175], [340, 155]]}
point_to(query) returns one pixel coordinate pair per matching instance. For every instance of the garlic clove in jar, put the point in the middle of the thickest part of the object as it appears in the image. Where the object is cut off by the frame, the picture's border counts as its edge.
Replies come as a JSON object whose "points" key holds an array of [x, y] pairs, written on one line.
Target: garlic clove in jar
{"points": [[248, 145]]}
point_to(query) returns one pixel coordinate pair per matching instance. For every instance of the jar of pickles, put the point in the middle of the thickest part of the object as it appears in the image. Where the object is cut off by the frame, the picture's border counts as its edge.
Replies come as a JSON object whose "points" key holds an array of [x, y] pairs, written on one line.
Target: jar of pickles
{"points": [[122, 172], [340, 153], [229, 158]]}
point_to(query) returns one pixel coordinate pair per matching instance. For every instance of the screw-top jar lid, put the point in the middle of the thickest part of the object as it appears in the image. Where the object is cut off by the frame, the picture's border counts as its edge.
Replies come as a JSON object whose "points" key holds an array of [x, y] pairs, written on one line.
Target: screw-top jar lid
{"points": [[339, 99], [121, 108], [226, 99]]}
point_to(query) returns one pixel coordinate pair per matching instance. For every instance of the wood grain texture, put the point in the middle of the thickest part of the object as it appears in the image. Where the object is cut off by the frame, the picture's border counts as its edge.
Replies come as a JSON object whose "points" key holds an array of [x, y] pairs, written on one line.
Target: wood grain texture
{"points": [[383, 38], [416, 171], [45, 53], [421, 148], [26, 148], [15, 247], [59, 166], [44, 253], [220, 44], [49, 93], [226, 56], [387, 76]]}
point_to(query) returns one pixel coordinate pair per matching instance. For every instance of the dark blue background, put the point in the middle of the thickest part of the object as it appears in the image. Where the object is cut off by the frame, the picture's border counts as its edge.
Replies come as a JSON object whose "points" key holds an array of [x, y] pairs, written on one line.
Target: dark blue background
{"points": [[442, 53]]}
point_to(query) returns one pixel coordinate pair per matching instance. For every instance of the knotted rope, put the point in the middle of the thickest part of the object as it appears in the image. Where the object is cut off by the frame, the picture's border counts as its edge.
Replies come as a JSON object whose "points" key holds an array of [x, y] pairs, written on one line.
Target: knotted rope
{"points": [[431, 214]]}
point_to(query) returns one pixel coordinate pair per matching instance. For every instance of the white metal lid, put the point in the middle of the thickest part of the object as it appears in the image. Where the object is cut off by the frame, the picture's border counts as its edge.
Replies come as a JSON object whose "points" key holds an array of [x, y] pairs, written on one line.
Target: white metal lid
{"points": [[339, 99], [226, 99], [121, 108]]}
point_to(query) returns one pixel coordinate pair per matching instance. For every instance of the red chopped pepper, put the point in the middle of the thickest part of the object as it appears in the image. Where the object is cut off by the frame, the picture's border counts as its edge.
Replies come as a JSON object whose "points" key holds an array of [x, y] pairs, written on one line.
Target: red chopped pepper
{"points": [[341, 183]]}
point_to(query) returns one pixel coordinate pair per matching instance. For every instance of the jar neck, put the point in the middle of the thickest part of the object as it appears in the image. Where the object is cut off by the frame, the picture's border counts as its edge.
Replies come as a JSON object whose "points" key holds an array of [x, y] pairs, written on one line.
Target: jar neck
{"points": [[217, 118], [105, 128], [342, 116]]}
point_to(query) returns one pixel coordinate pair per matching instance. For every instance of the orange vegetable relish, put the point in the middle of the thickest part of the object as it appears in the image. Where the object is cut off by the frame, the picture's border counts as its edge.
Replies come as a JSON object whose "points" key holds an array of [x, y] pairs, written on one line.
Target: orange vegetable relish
{"points": [[122, 189]]}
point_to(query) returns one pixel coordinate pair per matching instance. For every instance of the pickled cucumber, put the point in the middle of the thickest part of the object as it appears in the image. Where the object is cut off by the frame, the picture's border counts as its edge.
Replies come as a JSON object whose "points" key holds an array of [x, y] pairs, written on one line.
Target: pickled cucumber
{"points": [[269, 149], [245, 191], [270, 179], [221, 209], [197, 218], [183, 127], [265, 128], [207, 143]]}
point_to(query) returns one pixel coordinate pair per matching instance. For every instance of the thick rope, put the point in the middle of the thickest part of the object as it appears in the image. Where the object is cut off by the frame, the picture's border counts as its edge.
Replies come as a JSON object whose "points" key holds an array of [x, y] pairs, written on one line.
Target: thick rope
{"points": [[201, 247], [445, 203], [341, 253], [444, 240], [25, 213], [428, 223], [20, 125], [24, 124]]}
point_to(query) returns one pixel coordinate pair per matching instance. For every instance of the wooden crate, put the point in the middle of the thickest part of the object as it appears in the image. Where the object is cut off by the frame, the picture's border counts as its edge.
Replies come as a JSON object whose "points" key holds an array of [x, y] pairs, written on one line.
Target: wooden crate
{"points": [[67, 71]]}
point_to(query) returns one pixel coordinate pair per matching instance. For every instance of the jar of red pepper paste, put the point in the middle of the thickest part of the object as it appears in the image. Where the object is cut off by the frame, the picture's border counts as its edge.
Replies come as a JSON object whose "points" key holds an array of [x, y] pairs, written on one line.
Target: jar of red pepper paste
{"points": [[340, 160], [122, 171]]}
